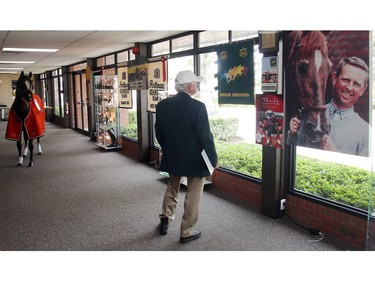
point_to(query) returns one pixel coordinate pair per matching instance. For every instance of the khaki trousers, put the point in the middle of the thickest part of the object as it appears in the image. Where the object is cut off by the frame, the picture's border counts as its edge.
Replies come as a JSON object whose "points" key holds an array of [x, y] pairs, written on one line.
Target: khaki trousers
{"points": [[191, 206]]}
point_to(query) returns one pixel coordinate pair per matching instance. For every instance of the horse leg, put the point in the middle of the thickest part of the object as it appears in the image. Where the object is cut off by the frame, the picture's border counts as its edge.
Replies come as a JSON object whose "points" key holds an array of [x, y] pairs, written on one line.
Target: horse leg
{"points": [[31, 147], [40, 152], [26, 149], [20, 157]]}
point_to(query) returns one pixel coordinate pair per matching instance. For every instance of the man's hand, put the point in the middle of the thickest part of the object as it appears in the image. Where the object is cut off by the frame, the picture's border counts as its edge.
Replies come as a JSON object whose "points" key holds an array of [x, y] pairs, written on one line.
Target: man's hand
{"points": [[294, 125], [327, 144]]}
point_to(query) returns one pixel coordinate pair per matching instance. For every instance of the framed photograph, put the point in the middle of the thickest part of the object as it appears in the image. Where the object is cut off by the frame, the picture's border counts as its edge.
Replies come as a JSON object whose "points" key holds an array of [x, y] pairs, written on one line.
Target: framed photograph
{"points": [[268, 41]]}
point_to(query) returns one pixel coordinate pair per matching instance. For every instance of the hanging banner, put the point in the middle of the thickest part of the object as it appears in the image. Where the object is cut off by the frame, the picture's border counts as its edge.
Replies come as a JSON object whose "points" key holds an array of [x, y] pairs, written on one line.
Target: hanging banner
{"points": [[157, 83], [270, 120], [327, 94], [236, 73], [125, 95], [137, 77]]}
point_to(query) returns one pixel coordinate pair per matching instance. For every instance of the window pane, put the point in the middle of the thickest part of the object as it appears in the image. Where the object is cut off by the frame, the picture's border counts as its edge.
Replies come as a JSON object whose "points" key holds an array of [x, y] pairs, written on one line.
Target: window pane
{"points": [[61, 83], [44, 92], [257, 70], [71, 100], [338, 177], [132, 56], [183, 43], [122, 57], [110, 60], [161, 48], [109, 71], [100, 62], [62, 104], [56, 94], [174, 66], [233, 126], [335, 176], [78, 67], [238, 35], [128, 120], [209, 38]]}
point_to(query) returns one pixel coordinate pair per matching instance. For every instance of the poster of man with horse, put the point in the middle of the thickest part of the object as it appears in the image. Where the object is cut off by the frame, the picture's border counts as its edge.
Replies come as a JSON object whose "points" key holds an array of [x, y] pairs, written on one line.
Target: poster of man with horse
{"points": [[327, 95]]}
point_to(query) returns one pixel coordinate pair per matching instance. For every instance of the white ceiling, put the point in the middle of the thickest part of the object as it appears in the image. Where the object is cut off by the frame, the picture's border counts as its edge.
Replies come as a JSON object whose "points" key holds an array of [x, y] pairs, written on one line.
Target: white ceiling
{"points": [[73, 46]]}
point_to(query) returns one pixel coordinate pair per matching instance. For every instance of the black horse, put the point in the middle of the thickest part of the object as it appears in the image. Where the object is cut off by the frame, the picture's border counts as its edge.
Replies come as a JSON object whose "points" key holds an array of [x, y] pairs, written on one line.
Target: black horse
{"points": [[24, 116]]}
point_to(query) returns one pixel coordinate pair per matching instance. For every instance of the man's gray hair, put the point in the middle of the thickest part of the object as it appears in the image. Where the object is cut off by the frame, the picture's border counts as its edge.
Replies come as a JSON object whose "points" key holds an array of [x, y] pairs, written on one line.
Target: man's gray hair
{"points": [[181, 87], [354, 61]]}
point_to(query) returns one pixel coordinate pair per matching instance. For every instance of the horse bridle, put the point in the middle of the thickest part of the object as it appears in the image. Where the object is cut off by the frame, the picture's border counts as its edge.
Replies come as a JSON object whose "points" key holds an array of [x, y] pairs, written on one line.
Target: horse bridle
{"points": [[28, 90], [22, 94]]}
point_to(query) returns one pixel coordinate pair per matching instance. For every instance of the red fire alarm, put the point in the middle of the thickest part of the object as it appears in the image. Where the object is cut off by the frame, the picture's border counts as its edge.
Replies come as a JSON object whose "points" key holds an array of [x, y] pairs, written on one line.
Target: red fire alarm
{"points": [[135, 50]]}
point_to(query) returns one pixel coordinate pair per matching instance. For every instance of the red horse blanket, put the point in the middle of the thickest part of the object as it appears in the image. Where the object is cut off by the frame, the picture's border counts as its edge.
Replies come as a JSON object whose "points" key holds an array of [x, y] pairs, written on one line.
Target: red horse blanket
{"points": [[34, 122]]}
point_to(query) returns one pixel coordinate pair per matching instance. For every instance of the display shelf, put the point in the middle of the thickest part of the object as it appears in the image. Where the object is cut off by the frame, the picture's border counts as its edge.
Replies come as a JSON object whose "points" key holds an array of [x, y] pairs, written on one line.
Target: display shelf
{"points": [[106, 112]]}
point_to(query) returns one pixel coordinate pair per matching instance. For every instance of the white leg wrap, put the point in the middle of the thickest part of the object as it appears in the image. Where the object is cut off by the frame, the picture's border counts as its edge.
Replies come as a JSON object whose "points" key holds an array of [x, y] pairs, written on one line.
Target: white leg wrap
{"points": [[25, 151], [40, 149]]}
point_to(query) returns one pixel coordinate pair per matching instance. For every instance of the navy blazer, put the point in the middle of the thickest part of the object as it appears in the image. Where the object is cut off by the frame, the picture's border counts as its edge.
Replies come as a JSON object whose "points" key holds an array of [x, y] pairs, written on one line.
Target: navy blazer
{"points": [[183, 131]]}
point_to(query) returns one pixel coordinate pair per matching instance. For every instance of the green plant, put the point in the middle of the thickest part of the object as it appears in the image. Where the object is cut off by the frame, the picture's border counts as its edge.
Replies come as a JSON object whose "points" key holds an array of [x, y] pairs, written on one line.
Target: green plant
{"points": [[240, 157], [349, 185], [130, 131], [223, 128], [340, 183]]}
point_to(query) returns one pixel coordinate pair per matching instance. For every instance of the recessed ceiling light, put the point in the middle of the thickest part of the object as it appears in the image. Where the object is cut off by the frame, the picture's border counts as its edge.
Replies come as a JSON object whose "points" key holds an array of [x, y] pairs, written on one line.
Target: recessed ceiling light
{"points": [[15, 61], [30, 50]]}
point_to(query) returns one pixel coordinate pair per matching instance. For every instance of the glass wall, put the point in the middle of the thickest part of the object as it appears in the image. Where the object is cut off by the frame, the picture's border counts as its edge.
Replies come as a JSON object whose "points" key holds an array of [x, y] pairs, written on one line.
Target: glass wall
{"points": [[43, 85], [78, 111], [58, 92], [233, 126], [342, 178], [128, 119], [128, 116], [370, 245]]}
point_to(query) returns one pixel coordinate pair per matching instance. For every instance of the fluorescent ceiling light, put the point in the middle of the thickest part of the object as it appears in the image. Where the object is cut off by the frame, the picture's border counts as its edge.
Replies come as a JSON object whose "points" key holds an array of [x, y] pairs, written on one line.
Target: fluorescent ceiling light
{"points": [[11, 68], [15, 61], [30, 50], [9, 71]]}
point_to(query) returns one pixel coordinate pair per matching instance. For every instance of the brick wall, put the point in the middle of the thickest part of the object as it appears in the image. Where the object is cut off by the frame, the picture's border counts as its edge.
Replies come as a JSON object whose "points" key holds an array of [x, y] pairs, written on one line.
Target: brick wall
{"points": [[238, 187], [346, 229], [349, 231], [129, 148]]}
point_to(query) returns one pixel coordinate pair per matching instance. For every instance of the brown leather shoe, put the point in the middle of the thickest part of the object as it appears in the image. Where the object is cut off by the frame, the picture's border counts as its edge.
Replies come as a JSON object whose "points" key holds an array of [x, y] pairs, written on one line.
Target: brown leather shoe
{"points": [[194, 235]]}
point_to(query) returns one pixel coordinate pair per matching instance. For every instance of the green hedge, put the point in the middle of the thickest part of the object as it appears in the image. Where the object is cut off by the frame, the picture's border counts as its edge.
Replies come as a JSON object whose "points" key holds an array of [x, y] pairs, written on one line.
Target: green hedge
{"points": [[223, 128], [337, 182], [130, 130], [241, 157]]}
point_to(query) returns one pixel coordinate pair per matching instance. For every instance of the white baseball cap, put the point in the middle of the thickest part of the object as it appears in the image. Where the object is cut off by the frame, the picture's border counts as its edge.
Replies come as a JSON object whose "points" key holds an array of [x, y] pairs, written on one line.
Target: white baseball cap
{"points": [[187, 76]]}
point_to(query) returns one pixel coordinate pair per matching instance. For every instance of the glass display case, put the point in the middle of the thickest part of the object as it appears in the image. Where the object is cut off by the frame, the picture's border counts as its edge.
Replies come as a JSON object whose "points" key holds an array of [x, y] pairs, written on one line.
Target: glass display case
{"points": [[106, 111]]}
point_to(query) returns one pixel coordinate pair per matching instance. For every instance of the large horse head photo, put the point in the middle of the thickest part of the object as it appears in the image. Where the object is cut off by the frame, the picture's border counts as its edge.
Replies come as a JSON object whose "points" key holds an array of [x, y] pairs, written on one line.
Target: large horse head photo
{"points": [[307, 70]]}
